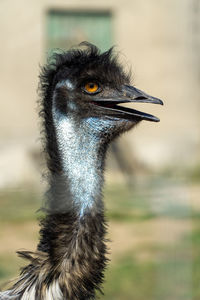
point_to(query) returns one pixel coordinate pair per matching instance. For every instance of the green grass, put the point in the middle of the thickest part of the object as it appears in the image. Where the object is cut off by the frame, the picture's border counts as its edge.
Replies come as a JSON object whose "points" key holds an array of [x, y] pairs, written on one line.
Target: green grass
{"points": [[129, 279], [172, 273], [125, 205], [9, 268], [19, 205]]}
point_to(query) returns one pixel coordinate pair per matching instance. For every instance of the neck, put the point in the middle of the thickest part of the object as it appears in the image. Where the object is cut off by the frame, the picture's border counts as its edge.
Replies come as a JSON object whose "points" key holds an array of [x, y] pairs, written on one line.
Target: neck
{"points": [[82, 163], [70, 260]]}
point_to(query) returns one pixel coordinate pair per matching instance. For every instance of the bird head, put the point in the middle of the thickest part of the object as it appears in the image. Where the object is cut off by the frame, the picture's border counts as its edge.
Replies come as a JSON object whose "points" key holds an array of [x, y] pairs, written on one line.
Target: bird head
{"points": [[91, 87]]}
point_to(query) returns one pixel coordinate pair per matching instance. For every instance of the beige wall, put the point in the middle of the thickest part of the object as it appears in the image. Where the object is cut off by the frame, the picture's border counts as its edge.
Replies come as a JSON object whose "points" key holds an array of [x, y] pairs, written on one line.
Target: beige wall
{"points": [[154, 37]]}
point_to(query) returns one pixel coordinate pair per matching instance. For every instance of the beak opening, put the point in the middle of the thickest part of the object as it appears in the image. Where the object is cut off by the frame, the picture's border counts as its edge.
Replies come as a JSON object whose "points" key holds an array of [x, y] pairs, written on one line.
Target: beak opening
{"points": [[129, 94]]}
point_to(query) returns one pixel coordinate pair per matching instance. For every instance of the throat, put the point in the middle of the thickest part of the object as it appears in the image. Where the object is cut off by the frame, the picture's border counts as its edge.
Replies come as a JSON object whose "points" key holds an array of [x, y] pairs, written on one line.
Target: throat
{"points": [[82, 163]]}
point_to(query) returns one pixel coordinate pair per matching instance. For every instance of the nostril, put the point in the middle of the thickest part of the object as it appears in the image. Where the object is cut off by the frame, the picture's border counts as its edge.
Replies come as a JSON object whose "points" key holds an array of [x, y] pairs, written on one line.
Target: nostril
{"points": [[141, 98]]}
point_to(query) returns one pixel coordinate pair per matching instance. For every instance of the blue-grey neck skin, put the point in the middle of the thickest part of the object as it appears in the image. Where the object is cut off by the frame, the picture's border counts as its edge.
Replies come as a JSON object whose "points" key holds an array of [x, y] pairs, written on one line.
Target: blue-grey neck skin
{"points": [[81, 159]]}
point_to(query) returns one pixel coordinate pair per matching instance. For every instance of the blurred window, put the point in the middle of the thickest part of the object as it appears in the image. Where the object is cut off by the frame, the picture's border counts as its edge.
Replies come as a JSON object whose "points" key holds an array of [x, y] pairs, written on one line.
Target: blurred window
{"points": [[69, 28]]}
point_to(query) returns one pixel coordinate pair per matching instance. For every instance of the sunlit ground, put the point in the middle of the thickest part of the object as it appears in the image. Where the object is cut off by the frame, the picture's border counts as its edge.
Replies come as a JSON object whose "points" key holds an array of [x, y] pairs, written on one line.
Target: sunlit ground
{"points": [[154, 230]]}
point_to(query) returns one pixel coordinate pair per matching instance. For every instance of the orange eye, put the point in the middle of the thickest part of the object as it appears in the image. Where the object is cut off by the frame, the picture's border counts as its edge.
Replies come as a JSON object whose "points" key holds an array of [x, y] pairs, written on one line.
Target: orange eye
{"points": [[91, 87]]}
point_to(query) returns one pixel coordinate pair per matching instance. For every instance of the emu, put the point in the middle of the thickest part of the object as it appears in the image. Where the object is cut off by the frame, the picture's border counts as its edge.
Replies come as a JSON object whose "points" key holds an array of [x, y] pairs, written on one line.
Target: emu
{"points": [[81, 90]]}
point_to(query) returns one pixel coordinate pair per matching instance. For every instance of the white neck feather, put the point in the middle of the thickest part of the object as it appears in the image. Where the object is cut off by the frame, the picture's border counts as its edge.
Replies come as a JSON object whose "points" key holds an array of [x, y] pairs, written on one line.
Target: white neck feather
{"points": [[80, 160]]}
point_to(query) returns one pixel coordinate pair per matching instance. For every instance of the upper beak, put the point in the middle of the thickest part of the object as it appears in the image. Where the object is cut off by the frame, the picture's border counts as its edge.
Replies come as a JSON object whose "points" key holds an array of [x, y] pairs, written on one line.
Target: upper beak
{"points": [[129, 94]]}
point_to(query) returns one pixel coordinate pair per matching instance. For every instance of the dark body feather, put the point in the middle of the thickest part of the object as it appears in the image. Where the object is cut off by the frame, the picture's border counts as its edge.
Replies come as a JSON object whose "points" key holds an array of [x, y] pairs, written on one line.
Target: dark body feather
{"points": [[73, 257]]}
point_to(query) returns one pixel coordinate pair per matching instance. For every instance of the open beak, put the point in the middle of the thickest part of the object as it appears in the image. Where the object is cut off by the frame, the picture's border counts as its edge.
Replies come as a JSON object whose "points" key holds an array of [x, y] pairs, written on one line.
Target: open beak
{"points": [[128, 94]]}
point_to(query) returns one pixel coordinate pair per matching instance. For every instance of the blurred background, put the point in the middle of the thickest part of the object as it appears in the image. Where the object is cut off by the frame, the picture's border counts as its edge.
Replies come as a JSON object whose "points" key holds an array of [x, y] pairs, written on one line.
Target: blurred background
{"points": [[153, 173]]}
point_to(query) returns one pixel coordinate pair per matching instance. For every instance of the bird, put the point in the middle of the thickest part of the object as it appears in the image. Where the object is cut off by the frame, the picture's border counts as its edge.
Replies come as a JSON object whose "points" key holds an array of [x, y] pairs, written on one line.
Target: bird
{"points": [[82, 92]]}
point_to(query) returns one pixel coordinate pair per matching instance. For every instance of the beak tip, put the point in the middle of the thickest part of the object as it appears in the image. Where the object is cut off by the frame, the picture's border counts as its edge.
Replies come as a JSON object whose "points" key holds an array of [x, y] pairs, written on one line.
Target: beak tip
{"points": [[156, 120], [161, 102], [157, 101]]}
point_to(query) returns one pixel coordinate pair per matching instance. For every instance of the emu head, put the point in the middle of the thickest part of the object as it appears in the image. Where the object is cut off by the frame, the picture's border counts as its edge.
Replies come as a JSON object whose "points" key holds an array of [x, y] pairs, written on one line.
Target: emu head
{"points": [[87, 86]]}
